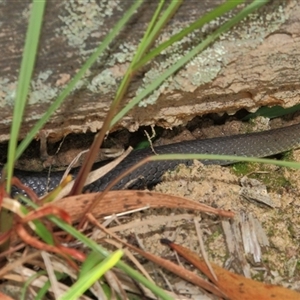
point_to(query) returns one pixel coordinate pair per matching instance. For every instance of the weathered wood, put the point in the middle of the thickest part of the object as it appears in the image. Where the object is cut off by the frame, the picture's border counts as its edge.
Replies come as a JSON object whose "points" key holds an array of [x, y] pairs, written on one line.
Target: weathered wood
{"points": [[255, 64]]}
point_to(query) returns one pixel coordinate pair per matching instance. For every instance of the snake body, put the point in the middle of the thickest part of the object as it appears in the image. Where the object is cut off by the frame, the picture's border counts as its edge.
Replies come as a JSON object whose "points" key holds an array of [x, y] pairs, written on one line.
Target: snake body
{"points": [[260, 144]]}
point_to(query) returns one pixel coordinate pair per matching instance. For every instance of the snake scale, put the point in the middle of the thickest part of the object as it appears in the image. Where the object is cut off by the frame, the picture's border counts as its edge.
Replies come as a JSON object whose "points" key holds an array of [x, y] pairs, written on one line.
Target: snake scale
{"points": [[259, 144]]}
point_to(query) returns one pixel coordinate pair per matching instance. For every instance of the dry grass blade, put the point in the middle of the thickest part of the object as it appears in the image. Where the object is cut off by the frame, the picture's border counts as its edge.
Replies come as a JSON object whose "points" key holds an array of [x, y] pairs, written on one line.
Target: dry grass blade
{"points": [[95, 175], [17, 263], [21, 274]]}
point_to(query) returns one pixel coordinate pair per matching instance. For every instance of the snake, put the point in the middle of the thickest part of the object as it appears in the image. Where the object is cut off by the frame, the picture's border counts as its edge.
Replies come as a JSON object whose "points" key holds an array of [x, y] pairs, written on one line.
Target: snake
{"points": [[257, 144]]}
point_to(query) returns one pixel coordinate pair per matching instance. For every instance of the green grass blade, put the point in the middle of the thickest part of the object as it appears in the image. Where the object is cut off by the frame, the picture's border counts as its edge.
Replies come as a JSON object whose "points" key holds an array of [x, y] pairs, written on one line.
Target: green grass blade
{"points": [[166, 16], [144, 44], [180, 63], [28, 283], [42, 291], [147, 40], [90, 262], [41, 294], [40, 229], [272, 112], [113, 33], [217, 12], [89, 278], [232, 158], [26, 70]]}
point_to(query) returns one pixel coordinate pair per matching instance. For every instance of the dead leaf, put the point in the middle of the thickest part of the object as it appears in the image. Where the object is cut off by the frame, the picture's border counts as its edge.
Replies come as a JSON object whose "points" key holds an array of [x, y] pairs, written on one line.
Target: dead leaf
{"points": [[235, 286], [5, 297], [119, 201]]}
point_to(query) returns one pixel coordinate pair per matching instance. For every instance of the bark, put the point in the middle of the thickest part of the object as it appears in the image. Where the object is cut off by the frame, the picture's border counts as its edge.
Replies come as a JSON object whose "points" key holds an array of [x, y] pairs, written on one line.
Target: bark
{"points": [[255, 64]]}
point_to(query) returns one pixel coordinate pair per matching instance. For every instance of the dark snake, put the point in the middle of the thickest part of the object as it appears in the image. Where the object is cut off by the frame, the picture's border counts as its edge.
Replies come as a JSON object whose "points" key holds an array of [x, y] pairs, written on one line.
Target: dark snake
{"points": [[259, 144]]}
